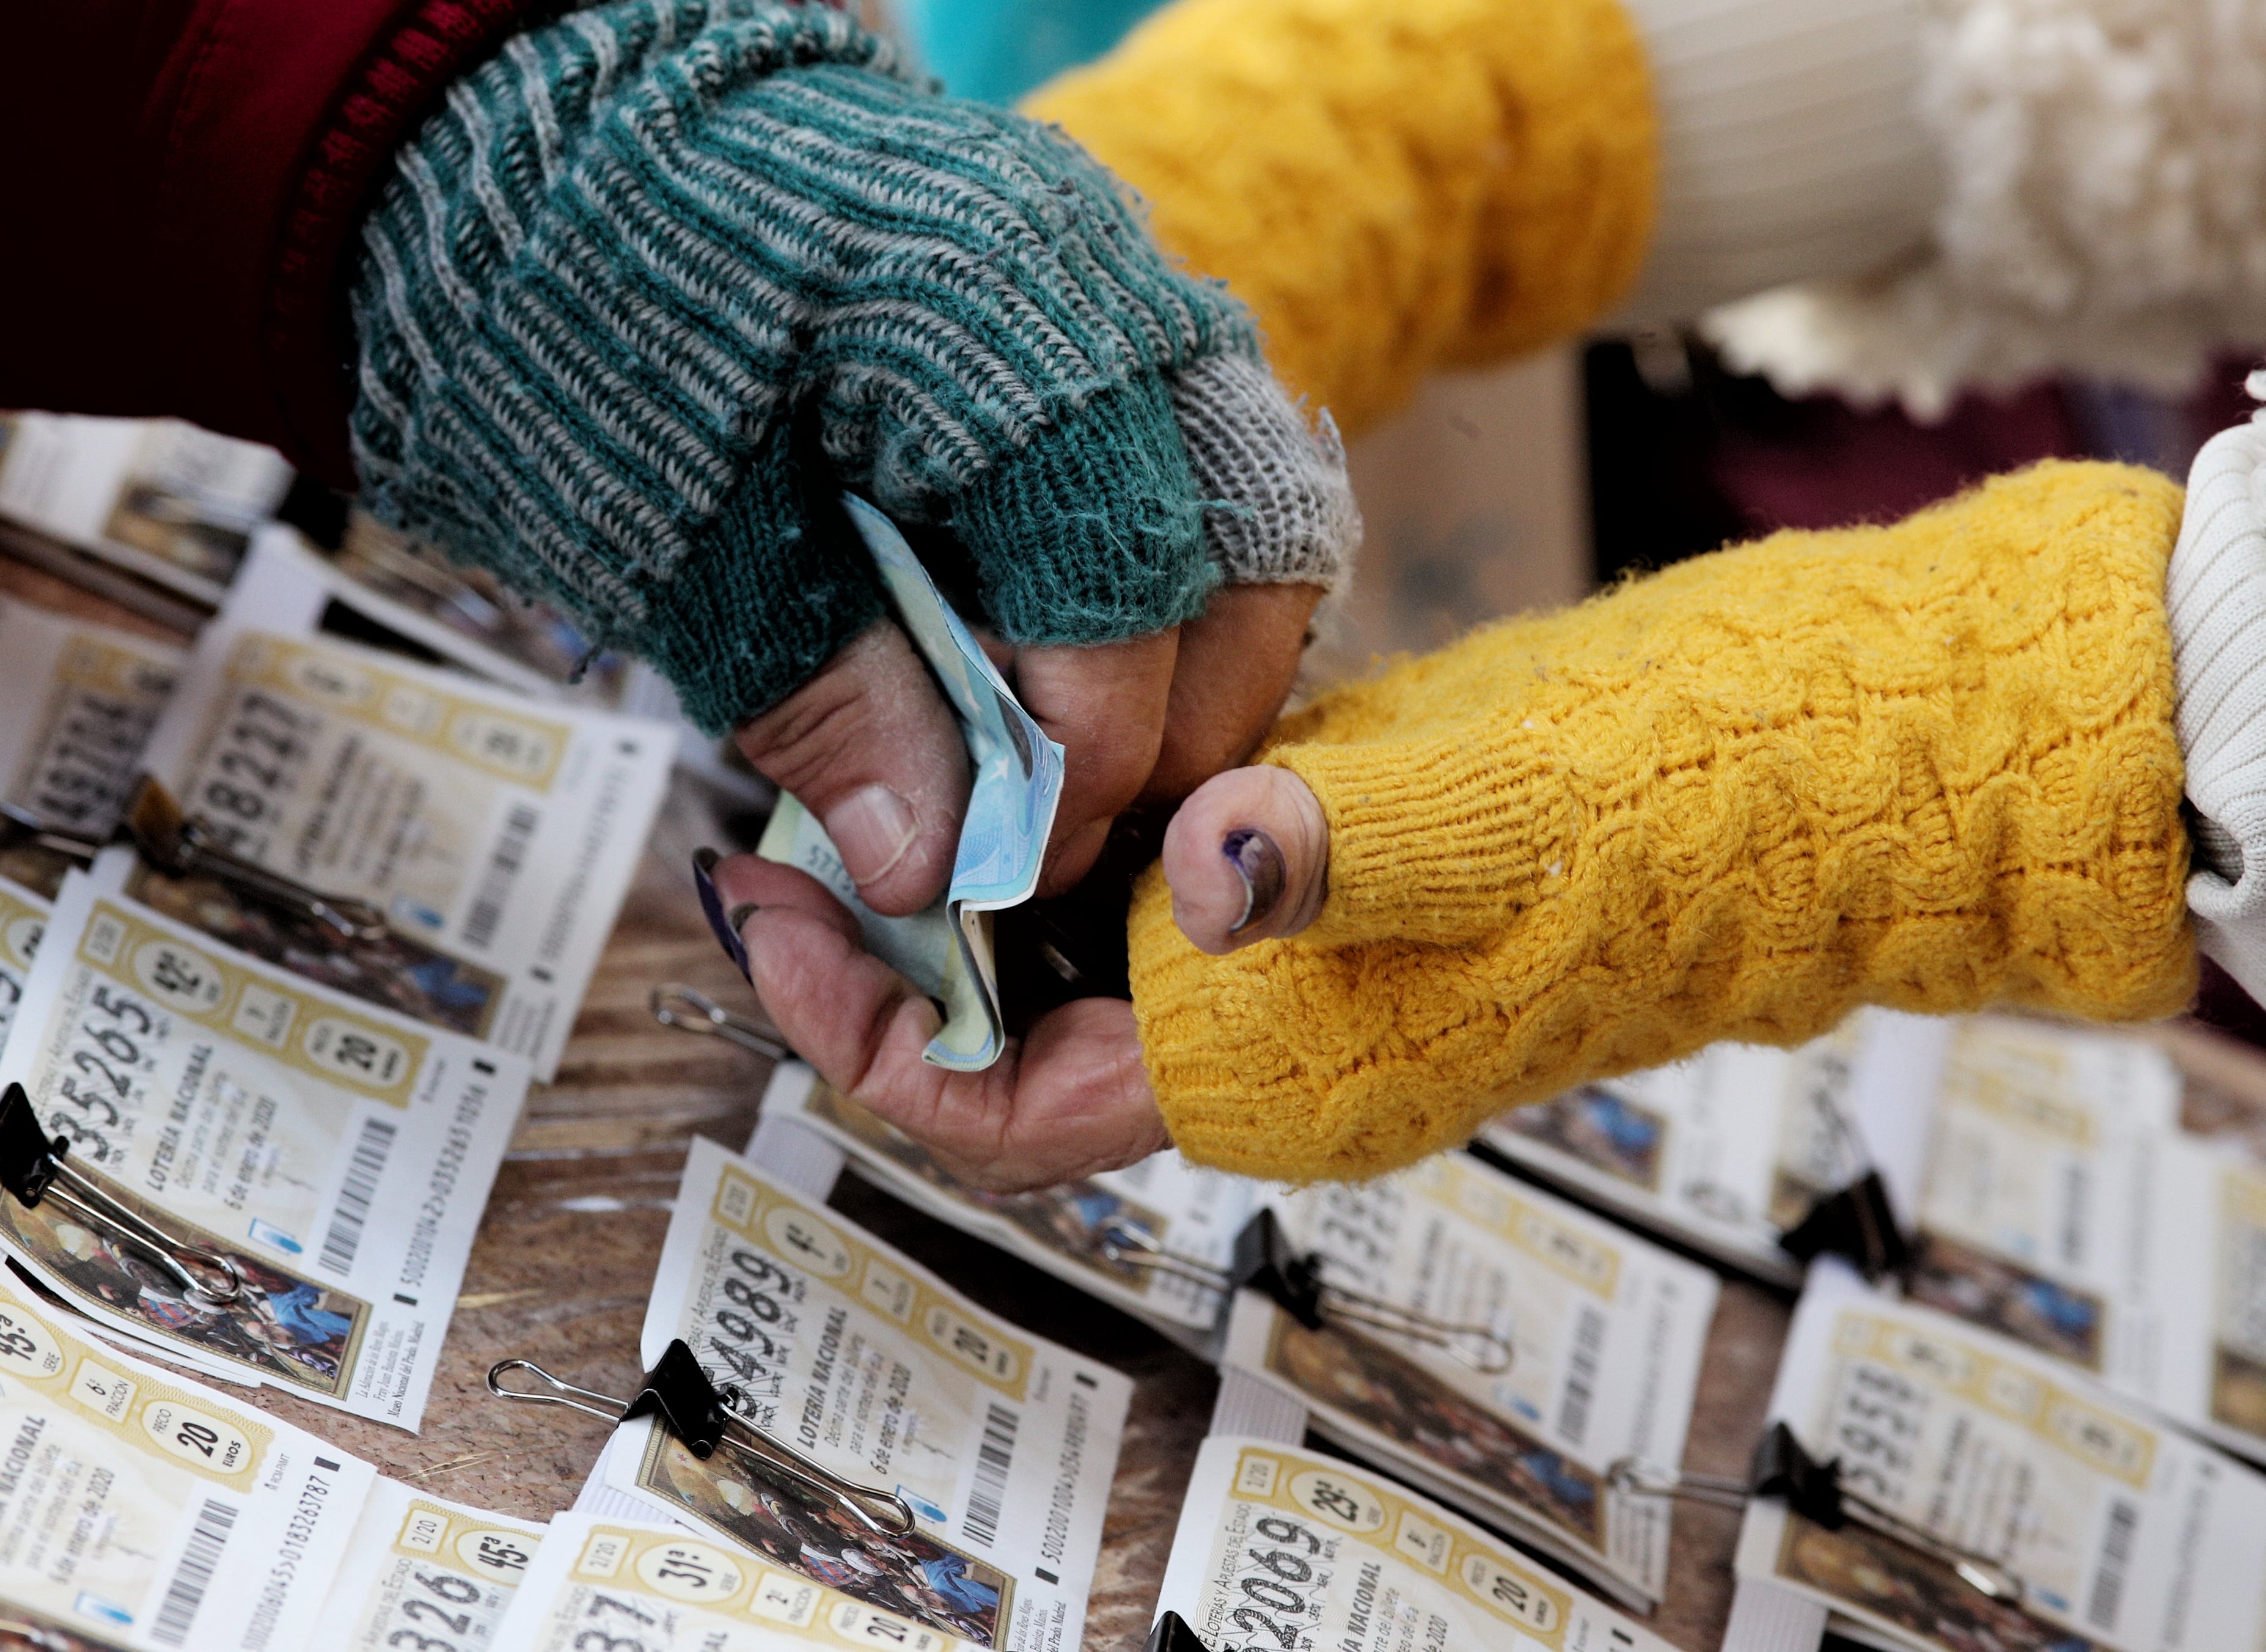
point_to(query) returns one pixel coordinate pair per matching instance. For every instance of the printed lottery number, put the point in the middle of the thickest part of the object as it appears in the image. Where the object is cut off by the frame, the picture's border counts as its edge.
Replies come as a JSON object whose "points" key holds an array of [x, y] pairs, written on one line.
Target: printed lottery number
{"points": [[1876, 1430], [259, 754], [601, 1640], [1280, 1585], [1360, 1226], [106, 1064], [451, 1592], [754, 1295], [82, 774]]}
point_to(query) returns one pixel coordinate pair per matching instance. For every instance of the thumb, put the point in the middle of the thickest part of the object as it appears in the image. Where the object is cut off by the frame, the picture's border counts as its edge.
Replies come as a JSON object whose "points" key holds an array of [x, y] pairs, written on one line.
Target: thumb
{"points": [[869, 747], [1247, 857]]}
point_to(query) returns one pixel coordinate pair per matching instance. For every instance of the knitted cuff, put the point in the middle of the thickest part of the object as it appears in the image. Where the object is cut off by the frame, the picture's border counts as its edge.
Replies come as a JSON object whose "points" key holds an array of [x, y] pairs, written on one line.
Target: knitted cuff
{"points": [[1090, 533], [2102, 211], [1278, 506], [2217, 600]]}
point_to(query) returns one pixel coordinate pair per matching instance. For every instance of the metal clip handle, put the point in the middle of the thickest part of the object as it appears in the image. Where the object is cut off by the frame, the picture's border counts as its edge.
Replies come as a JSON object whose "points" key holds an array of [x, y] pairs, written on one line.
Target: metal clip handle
{"points": [[678, 1005], [33, 1170], [681, 1397], [1478, 1346], [72, 845], [182, 845], [1265, 1262], [1784, 1469]]}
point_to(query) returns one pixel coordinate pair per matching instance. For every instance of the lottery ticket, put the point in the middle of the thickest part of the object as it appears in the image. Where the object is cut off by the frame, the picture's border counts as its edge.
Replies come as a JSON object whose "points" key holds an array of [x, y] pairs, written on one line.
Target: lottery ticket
{"points": [[1001, 1444], [611, 1585], [2122, 1535], [1730, 1149], [2061, 1206], [425, 1574], [1084, 1232], [497, 834], [337, 1155], [1601, 1333], [87, 699], [1018, 777], [142, 1511], [22, 920], [162, 499], [1285, 1550]]}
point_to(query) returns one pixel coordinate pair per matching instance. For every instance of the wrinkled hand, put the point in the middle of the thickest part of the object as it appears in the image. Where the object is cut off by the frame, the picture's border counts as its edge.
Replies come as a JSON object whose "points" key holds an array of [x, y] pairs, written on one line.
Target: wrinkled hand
{"points": [[1067, 1099], [870, 748]]}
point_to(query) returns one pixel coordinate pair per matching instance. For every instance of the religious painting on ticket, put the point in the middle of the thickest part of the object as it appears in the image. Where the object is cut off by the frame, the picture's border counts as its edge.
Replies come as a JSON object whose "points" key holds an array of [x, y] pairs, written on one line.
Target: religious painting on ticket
{"points": [[394, 971], [1346, 1372], [914, 1576], [1606, 1132], [1073, 1218], [2009, 1298], [283, 1326], [24, 1630], [1922, 1597]]}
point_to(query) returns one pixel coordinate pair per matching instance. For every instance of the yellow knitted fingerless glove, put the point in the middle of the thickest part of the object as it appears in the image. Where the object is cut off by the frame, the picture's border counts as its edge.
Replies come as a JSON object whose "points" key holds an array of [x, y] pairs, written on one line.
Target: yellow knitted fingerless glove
{"points": [[1930, 766], [1393, 188]]}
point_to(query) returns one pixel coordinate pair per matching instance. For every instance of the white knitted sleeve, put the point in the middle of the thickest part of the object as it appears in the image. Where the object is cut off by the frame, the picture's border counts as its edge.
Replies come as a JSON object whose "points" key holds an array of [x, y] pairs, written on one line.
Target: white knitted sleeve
{"points": [[1791, 147], [2216, 599], [2102, 210]]}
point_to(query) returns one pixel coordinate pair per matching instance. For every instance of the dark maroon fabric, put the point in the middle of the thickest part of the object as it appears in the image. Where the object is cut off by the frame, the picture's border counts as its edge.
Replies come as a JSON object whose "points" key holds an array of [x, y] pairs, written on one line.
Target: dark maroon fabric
{"points": [[184, 178]]}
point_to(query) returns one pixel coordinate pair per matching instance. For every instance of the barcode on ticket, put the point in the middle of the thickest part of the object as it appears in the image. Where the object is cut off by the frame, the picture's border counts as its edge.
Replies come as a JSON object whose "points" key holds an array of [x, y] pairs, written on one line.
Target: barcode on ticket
{"points": [[993, 1458], [356, 1194], [1582, 1374], [496, 881], [194, 1575], [2115, 1557]]}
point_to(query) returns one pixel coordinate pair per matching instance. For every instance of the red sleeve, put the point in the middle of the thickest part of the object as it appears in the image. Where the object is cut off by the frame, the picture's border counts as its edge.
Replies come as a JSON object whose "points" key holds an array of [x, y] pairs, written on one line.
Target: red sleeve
{"points": [[184, 179]]}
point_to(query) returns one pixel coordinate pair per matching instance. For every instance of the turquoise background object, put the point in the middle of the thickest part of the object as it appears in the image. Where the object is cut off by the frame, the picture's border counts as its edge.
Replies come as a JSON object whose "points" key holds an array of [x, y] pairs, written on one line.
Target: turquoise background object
{"points": [[999, 49]]}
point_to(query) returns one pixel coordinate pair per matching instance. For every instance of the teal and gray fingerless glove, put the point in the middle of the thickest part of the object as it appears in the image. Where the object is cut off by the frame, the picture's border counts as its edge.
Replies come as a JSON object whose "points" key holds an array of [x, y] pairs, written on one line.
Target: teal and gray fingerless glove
{"points": [[644, 241]]}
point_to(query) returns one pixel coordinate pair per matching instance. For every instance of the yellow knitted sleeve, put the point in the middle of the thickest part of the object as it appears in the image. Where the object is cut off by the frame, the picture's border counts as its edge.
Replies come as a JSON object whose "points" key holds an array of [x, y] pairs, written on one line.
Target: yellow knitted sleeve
{"points": [[1931, 766], [1392, 189]]}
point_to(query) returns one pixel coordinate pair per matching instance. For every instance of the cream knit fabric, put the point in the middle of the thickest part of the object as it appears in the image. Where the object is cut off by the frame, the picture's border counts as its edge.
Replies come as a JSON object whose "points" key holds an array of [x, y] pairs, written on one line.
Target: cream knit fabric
{"points": [[2216, 598], [2103, 210], [1790, 145]]}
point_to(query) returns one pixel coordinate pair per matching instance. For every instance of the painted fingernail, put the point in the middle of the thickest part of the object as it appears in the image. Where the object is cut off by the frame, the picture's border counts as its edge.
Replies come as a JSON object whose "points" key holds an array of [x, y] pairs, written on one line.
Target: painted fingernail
{"points": [[711, 908], [872, 829], [1259, 863]]}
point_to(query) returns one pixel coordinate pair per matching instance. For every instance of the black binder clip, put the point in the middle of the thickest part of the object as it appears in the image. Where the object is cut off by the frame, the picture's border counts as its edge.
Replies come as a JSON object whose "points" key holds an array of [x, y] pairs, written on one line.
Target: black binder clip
{"points": [[1856, 1222], [677, 1006], [183, 845], [32, 1170], [1785, 1472], [691, 1407], [1265, 1260], [1173, 1635]]}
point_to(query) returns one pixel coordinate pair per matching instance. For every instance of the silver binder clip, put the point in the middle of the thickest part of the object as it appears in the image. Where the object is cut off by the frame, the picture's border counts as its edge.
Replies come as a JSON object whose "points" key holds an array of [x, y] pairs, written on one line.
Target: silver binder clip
{"points": [[677, 1006], [691, 1407], [1785, 1471], [23, 825], [31, 1169], [184, 845], [1264, 1261]]}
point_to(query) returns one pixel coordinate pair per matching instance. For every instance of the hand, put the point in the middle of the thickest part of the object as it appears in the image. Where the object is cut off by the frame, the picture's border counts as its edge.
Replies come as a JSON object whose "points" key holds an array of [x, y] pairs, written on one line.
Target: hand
{"points": [[1069, 1100], [1248, 859]]}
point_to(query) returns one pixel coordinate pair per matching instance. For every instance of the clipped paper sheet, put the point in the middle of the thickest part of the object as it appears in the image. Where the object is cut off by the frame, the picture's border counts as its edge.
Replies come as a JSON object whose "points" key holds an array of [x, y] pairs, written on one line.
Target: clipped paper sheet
{"points": [[424, 1573], [150, 1513], [850, 1352], [1281, 1547], [498, 834], [2126, 1535], [1606, 1331], [340, 1155], [84, 699]]}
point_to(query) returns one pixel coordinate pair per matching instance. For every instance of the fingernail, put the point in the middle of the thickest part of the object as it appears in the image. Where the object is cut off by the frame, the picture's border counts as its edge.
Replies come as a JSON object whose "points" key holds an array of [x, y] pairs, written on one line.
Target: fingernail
{"points": [[711, 908], [1259, 863], [871, 828]]}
